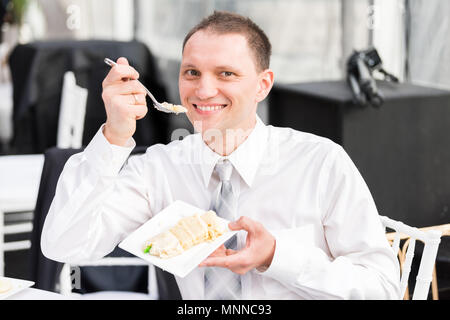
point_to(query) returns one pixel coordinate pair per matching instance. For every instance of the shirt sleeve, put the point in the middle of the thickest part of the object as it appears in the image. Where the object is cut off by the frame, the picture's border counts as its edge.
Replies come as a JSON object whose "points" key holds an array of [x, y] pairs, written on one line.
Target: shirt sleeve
{"points": [[98, 201], [362, 264]]}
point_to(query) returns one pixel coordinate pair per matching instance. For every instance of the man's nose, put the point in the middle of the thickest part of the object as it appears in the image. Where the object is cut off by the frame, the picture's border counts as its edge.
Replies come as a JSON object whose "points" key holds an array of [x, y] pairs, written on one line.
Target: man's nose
{"points": [[206, 88]]}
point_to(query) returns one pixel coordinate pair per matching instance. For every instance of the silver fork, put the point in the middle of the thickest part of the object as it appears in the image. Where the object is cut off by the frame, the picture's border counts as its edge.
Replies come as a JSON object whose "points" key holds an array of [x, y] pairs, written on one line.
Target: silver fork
{"points": [[156, 104]]}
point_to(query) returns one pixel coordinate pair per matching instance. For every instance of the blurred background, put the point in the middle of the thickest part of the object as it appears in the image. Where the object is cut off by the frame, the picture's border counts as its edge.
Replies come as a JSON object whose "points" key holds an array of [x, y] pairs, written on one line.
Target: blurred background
{"points": [[51, 68]]}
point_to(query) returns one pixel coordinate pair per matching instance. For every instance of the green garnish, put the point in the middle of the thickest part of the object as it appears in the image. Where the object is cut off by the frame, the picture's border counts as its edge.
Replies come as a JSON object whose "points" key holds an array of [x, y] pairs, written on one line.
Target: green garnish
{"points": [[146, 250]]}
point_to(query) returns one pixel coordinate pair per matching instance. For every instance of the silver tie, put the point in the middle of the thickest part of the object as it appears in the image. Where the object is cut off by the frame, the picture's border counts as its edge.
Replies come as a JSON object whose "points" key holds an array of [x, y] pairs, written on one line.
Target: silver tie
{"points": [[222, 283]]}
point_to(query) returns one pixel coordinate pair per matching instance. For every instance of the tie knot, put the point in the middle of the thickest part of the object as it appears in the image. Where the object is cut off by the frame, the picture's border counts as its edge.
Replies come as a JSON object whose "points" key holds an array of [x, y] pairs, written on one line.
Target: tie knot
{"points": [[224, 170]]}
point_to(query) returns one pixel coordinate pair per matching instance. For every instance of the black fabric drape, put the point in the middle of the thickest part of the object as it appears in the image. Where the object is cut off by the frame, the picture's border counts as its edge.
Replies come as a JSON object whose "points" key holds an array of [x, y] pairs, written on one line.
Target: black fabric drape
{"points": [[37, 71], [45, 272]]}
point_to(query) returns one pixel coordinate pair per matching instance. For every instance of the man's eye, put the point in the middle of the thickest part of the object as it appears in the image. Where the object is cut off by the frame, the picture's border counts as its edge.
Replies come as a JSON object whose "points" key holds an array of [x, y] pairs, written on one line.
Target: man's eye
{"points": [[192, 73], [227, 73]]}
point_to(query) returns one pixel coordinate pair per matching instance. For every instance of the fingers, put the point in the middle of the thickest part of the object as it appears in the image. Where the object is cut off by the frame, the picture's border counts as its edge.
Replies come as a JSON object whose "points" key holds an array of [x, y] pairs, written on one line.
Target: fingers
{"points": [[124, 99], [120, 72], [137, 107], [236, 262], [122, 60], [139, 111], [128, 87], [229, 252], [138, 99], [258, 251], [126, 107], [219, 251], [244, 223]]}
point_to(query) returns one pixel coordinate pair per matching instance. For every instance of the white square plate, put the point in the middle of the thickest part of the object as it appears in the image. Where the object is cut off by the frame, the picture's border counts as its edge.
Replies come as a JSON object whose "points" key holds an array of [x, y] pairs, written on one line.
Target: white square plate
{"points": [[17, 285], [182, 264]]}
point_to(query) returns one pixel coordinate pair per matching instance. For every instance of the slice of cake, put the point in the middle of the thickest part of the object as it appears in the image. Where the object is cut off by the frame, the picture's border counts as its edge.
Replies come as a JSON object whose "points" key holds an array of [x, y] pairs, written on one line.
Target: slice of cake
{"points": [[174, 107], [164, 245], [188, 232], [5, 285], [216, 228], [184, 236], [196, 227]]}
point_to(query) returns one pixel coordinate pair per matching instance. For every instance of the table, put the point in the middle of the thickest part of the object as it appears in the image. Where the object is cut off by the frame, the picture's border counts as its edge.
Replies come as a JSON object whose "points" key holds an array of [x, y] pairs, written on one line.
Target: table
{"points": [[19, 184], [37, 294], [401, 149]]}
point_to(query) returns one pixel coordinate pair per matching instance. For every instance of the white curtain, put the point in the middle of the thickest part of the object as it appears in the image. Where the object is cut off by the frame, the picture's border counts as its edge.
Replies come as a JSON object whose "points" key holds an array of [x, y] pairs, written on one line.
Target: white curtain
{"points": [[388, 27], [84, 19], [429, 42], [311, 38], [305, 34], [308, 38]]}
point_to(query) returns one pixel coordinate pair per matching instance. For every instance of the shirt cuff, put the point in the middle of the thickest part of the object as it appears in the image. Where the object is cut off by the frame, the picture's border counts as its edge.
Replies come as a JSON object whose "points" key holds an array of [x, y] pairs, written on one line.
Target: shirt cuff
{"points": [[106, 158], [295, 254]]}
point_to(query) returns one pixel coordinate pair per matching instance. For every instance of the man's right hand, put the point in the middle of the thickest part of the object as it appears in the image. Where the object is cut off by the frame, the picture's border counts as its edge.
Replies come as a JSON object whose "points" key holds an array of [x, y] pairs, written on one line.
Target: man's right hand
{"points": [[125, 102]]}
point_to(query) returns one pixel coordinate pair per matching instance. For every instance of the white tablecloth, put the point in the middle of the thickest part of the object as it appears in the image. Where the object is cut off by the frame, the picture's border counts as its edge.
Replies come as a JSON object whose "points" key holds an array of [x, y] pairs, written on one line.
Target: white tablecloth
{"points": [[19, 183], [37, 294]]}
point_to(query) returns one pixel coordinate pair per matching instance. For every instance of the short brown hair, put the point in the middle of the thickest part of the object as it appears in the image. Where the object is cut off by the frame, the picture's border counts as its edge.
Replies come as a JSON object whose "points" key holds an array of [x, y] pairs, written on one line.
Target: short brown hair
{"points": [[223, 22]]}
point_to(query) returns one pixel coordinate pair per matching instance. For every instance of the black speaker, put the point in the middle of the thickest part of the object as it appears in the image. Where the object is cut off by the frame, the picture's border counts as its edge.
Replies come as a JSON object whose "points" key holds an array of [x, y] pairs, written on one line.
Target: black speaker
{"points": [[402, 149]]}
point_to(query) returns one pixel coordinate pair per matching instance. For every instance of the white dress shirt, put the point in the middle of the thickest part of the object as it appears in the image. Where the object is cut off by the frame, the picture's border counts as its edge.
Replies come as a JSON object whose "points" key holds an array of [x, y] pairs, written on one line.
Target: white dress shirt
{"points": [[304, 189]]}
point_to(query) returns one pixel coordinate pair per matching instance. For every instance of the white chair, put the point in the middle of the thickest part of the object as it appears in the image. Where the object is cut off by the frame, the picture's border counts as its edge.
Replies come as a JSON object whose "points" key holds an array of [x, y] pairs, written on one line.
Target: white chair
{"points": [[19, 184], [70, 278], [72, 112], [6, 110], [431, 239]]}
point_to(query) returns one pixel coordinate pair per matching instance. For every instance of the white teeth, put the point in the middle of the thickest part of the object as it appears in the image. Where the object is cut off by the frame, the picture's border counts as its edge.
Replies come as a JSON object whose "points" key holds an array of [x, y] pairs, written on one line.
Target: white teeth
{"points": [[210, 108]]}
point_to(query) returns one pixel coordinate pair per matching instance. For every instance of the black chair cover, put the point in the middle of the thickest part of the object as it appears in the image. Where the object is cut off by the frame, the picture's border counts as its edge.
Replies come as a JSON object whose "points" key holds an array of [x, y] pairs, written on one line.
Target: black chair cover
{"points": [[45, 272], [37, 71]]}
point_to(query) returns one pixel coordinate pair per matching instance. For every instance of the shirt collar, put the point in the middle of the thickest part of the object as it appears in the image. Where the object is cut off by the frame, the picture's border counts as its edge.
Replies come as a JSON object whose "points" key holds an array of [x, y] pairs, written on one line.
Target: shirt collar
{"points": [[245, 159]]}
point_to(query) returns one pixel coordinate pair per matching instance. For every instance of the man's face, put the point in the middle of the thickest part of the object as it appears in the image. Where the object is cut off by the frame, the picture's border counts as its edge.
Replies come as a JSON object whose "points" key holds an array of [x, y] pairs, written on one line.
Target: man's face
{"points": [[218, 82]]}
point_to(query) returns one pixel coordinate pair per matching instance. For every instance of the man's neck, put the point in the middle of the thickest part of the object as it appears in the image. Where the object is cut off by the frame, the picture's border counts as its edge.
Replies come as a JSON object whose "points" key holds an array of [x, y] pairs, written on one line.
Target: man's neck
{"points": [[225, 142]]}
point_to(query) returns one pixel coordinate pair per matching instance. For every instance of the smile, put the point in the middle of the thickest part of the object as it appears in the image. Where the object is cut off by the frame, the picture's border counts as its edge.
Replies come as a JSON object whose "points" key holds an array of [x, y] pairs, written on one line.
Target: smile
{"points": [[209, 108]]}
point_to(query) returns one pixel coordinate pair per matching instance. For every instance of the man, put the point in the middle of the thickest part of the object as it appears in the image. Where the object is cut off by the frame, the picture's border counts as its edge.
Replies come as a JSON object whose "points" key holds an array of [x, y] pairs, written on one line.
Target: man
{"points": [[308, 226]]}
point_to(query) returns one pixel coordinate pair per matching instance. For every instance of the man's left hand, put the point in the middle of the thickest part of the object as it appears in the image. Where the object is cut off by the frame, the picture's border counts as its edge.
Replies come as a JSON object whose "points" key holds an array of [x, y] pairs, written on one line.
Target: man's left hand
{"points": [[257, 253]]}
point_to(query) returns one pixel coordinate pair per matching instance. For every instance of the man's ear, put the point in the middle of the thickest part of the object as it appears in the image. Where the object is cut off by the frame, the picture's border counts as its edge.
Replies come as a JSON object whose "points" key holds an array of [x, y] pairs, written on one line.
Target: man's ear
{"points": [[265, 84]]}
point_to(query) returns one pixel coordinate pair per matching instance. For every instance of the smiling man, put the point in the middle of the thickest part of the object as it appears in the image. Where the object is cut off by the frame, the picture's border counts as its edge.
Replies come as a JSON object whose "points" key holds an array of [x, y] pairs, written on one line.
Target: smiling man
{"points": [[222, 78], [308, 226]]}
